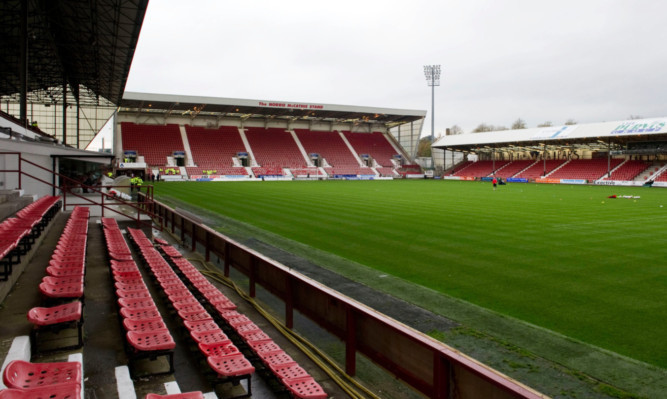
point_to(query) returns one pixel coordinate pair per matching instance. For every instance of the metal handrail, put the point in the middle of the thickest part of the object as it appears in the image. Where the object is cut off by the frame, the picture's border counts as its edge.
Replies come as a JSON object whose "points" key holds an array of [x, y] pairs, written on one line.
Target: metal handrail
{"points": [[120, 201]]}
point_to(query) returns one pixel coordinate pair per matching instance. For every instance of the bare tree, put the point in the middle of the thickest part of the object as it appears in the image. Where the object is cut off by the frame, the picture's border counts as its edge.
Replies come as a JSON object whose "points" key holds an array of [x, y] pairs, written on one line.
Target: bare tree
{"points": [[545, 124], [570, 122], [454, 130], [519, 124], [483, 127]]}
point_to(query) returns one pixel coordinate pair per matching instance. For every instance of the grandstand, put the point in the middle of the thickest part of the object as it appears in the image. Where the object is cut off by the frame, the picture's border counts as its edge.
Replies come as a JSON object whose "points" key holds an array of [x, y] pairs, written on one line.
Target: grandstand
{"points": [[609, 153], [222, 145]]}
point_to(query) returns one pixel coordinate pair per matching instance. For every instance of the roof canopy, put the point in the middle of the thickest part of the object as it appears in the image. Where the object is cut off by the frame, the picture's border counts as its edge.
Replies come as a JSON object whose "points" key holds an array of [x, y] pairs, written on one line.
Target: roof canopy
{"points": [[593, 136], [86, 44], [243, 108]]}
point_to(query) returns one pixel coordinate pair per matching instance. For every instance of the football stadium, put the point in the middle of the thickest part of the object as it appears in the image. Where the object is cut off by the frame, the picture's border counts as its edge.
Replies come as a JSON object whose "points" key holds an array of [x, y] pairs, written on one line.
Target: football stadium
{"points": [[223, 247]]}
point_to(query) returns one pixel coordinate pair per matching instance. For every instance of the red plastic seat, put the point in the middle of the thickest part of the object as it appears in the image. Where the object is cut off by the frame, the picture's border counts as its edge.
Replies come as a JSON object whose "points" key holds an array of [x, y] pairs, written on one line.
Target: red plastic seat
{"points": [[305, 387], [65, 391], [194, 316], [56, 314], [183, 299], [224, 305], [248, 328], [230, 365], [201, 325], [131, 286], [65, 271], [136, 303], [189, 307], [290, 371], [253, 336], [239, 320], [276, 358], [217, 349], [171, 251], [150, 341], [140, 314], [184, 395], [20, 374], [61, 289], [210, 337], [133, 294], [146, 325], [55, 319], [264, 346]]}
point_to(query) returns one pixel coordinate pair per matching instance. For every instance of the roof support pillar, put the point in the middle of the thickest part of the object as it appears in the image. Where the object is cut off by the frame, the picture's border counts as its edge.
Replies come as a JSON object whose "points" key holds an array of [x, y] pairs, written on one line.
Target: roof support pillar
{"points": [[78, 122], [65, 111], [609, 158], [23, 67], [544, 160]]}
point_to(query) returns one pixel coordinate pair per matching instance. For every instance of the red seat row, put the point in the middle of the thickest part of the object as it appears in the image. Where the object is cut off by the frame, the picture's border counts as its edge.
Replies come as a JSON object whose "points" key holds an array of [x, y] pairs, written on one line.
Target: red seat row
{"points": [[298, 382], [67, 265], [64, 282], [146, 334], [17, 234], [220, 353]]}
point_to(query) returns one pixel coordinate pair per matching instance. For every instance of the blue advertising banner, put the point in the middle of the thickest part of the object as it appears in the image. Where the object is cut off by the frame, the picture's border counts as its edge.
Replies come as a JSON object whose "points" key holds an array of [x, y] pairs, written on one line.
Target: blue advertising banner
{"points": [[517, 180]]}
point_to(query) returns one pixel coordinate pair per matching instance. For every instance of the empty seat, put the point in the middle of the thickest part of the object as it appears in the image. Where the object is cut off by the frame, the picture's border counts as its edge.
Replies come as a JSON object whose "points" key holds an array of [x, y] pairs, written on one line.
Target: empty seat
{"points": [[54, 319], [231, 365], [151, 340], [146, 325], [62, 287], [305, 387], [150, 345], [22, 375], [65, 391], [217, 349]]}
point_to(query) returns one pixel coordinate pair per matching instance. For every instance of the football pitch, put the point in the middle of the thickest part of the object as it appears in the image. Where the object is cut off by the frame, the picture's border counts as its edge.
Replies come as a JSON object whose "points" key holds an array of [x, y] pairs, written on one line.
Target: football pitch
{"points": [[565, 258]]}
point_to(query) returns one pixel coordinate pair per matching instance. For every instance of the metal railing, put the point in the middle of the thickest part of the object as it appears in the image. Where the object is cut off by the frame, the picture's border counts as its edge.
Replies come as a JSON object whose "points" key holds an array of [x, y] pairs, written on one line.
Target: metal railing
{"points": [[427, 365], [106, 200]]}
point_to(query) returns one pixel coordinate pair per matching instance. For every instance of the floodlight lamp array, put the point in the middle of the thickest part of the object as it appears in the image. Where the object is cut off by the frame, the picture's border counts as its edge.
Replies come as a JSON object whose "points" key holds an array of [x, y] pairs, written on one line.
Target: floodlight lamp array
{"points": [[432, 73]]}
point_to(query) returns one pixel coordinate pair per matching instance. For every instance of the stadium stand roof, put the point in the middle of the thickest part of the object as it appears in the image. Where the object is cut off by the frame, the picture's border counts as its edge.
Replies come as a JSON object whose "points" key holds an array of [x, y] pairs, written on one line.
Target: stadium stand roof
{"points": [[86, 44], [593, 136], [194, 106]]}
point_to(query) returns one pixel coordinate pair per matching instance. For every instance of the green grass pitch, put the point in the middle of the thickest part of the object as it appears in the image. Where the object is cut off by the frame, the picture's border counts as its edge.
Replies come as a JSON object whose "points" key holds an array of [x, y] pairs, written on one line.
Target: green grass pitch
{"points": [[565, 258]]}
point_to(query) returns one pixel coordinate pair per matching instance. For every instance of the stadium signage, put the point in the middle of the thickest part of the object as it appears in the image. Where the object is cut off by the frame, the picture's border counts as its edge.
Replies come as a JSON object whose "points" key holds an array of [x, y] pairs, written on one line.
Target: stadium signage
{"points": [[547, 180], [554, 132], [619, 183], [290, 105], [630, 127]]}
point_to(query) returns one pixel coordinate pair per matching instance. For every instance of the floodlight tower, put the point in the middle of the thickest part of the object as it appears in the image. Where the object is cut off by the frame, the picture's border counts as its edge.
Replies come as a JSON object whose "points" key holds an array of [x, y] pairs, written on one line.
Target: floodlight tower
{"points": [[432, 73]]}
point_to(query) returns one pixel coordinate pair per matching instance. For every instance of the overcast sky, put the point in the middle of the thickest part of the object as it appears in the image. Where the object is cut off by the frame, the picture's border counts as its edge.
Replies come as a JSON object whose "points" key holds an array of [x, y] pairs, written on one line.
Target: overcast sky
{"points": [[586, 60]]}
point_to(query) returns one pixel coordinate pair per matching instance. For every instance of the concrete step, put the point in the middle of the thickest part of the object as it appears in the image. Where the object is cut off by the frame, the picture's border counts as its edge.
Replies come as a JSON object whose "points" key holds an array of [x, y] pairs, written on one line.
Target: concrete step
{"points": [[9, 195], [13, 202]]}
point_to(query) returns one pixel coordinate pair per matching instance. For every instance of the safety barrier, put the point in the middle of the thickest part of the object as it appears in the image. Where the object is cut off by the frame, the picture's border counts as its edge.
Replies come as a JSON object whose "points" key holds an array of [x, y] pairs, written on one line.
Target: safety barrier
{"points": [[426, 364]]}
